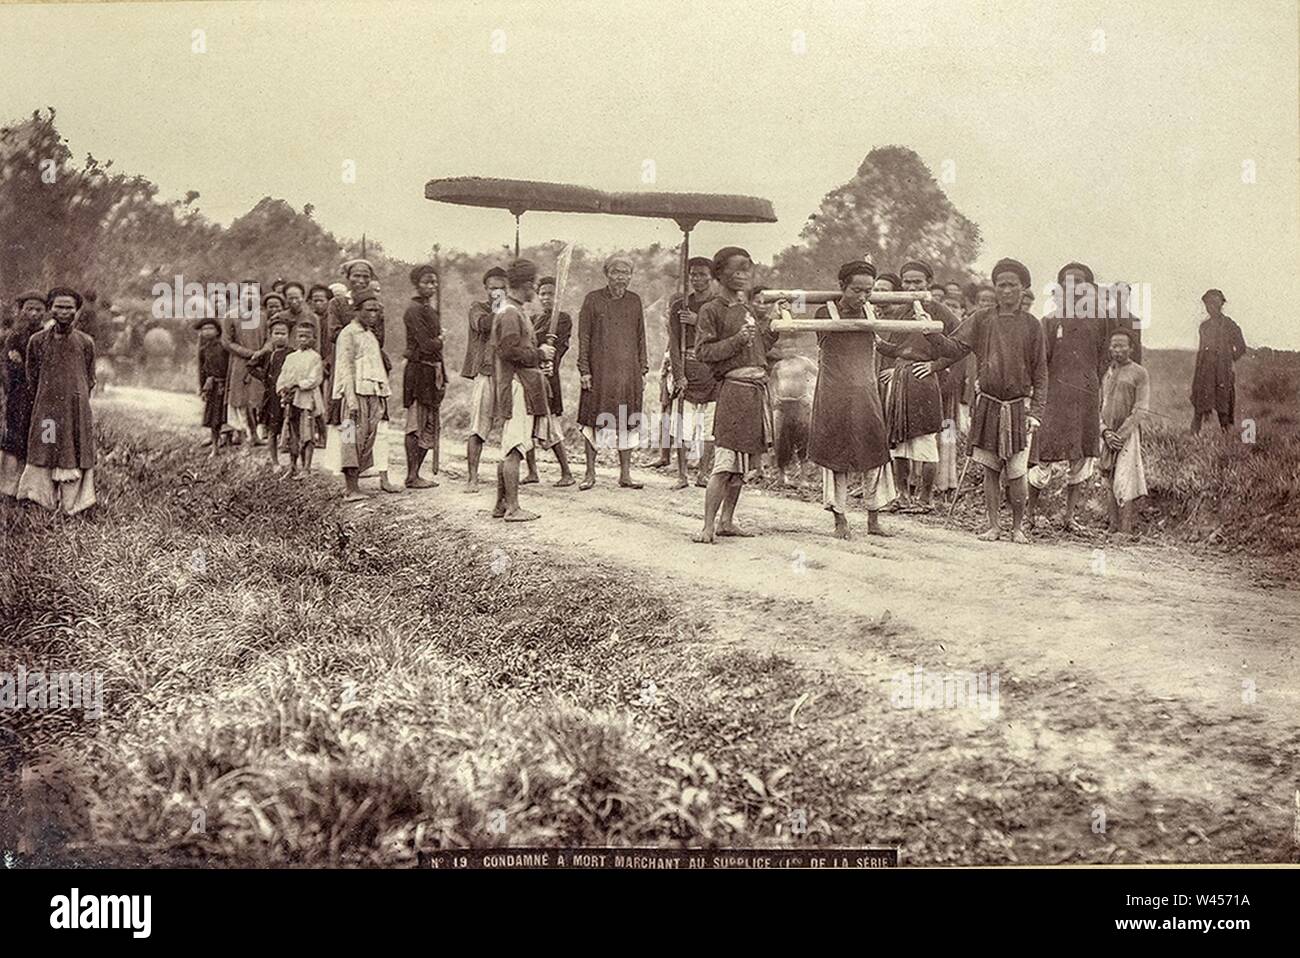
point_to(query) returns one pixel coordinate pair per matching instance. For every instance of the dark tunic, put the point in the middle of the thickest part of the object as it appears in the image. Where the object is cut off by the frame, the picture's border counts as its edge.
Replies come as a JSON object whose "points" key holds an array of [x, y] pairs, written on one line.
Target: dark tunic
{"points": [[61, 371], [18, 395], [212, 383], [516, 355], [612, 351], [1214, 384], [847, 432], [478, 346], [338, 314], [915, 406], [424, 379], [1077, 357], [738, 422], [563, 333], [701, 387], [266, 368], [1010, 363]]}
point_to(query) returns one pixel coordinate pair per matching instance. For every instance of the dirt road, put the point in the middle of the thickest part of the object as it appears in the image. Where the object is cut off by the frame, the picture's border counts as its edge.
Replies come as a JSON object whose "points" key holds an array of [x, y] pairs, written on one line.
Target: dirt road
{"points": [[1158, 679]]}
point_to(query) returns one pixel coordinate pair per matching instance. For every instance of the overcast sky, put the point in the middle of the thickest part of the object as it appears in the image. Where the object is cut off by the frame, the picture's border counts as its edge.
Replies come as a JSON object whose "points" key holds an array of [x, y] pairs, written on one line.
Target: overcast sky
{"points": [[1118, 133]]}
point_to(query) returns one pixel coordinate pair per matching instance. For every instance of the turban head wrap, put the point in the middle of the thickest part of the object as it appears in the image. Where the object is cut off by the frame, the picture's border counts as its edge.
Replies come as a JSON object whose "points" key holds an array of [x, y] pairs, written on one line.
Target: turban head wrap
{"points": [[494, 272], [1214, 292], [1076, 267], [272, 296], [1008, 265], [421, 271], [347, 268], [893, 279], [23, 297], [916, 264], [855, 268], [721, 257], [546, 281], [617, 258], [365, 296], [521, 271]]}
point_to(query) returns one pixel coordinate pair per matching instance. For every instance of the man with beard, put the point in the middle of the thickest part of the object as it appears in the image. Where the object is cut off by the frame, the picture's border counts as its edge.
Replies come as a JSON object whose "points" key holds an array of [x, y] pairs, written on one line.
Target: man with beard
{"points": [[695, 391], [1011, 373], [848, 430], [60, 470], [424, 380], [913, 398], [480, 368], [1069, 441], [18, 394], [734, 341], [556, 329], [612, 366], [1214, 384], [521, 388]]}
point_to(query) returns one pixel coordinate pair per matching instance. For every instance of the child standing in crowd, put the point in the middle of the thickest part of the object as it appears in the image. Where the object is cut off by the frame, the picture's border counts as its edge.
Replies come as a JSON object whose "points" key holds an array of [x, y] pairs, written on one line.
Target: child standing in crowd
{"points": [[213, 363], [265, 365], [299, 390]]}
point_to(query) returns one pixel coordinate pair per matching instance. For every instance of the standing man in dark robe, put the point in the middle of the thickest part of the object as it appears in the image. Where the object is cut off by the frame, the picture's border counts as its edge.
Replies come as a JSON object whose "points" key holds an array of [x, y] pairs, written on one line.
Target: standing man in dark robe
{"points": [[60, 469], [424, 380], [1069, 442], [244, 333], [913, 398], [1214, 384], [88, 316], [18, 394], [556, 330], [695, 391], [612, 366], [1011, 379], [297, 311], [521, 388], [847, 432], [734, 341], [480, 369]]}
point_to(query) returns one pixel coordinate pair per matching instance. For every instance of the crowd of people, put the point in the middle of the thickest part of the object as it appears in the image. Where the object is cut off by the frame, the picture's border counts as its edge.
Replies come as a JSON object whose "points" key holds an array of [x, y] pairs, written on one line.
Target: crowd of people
{"points": [[304, 368]]}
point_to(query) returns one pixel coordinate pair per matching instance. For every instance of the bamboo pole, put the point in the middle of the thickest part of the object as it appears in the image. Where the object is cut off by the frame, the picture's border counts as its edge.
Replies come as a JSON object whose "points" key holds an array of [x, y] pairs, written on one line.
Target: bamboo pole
{"points": [[827, 296], [792, 325]]}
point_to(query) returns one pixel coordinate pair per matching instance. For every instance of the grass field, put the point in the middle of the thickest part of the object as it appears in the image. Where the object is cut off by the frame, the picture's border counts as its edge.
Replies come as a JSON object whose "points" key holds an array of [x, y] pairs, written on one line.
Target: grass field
{"points": [[287, 683]]}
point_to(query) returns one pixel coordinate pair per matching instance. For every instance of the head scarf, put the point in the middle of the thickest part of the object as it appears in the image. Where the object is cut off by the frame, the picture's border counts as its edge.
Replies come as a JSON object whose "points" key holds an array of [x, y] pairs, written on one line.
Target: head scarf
{"points": [[329, 293], [1006, 264], [916, 264], [854, 268], [23, 297], [365, 296], [1214, 292], [338, 289], [546, 281], [62, 291], [272, 296], [347, 268], [294, 284], [492, 273], [1077, 267], [521, 271], [893, 279], [613, 258], [721, 257]]}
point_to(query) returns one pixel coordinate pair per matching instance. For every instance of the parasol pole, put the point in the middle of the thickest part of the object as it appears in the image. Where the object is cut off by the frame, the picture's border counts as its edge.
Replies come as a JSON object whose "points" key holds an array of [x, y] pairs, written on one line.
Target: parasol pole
{"points": [[679, 404]]}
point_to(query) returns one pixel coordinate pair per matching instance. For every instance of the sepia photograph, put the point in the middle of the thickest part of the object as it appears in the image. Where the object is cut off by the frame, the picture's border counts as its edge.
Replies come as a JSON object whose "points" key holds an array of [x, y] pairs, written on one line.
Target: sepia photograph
{"points": [[611, 435]]}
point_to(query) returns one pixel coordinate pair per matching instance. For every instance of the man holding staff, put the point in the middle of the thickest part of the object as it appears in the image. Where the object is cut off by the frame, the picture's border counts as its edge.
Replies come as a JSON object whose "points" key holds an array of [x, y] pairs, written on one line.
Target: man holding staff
{"points": [[1011, 377], [695, 391], [734, 342]]}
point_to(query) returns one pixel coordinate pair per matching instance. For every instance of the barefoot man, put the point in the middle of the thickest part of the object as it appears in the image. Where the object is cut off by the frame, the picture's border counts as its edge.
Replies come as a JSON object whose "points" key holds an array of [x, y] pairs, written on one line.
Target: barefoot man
{"points": [[1011, 379], [734, 342], [424, 380], [556, 328], [521, 388], [479, 367], [612, 366], [1126, 397], [361, 387], [848, 430], [695, 391], [1214, 385]]}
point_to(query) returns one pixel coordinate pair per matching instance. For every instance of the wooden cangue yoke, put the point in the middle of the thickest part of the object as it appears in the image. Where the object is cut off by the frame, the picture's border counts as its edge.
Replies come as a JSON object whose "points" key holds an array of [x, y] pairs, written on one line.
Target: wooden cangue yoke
{"points": [[800, 298]]}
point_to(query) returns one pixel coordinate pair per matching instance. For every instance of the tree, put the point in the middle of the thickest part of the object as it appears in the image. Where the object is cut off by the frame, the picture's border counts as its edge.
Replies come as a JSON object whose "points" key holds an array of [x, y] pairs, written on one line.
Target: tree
{"points": [[891, 211]]}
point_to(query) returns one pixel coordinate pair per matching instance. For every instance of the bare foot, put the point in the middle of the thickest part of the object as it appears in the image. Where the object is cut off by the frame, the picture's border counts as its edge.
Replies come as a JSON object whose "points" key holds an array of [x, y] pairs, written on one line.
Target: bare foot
{"points": [[499, 511], [529, 480], [565, 481], [990, 535], [1018, 536], [471, 488], [705, 536], [842, 527], [521, 515], [630, 484], [680, 483], [873, 530], [357, 496], [387, 486], [702, 482], [419, 482], [731, 530], [587, 483]]}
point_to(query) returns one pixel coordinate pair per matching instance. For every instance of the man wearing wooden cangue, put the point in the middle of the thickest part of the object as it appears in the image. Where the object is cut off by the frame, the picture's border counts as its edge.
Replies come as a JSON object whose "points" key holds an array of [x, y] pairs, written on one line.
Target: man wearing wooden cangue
{"points": [[913, 399], [1011, 379], [734, 341]]}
